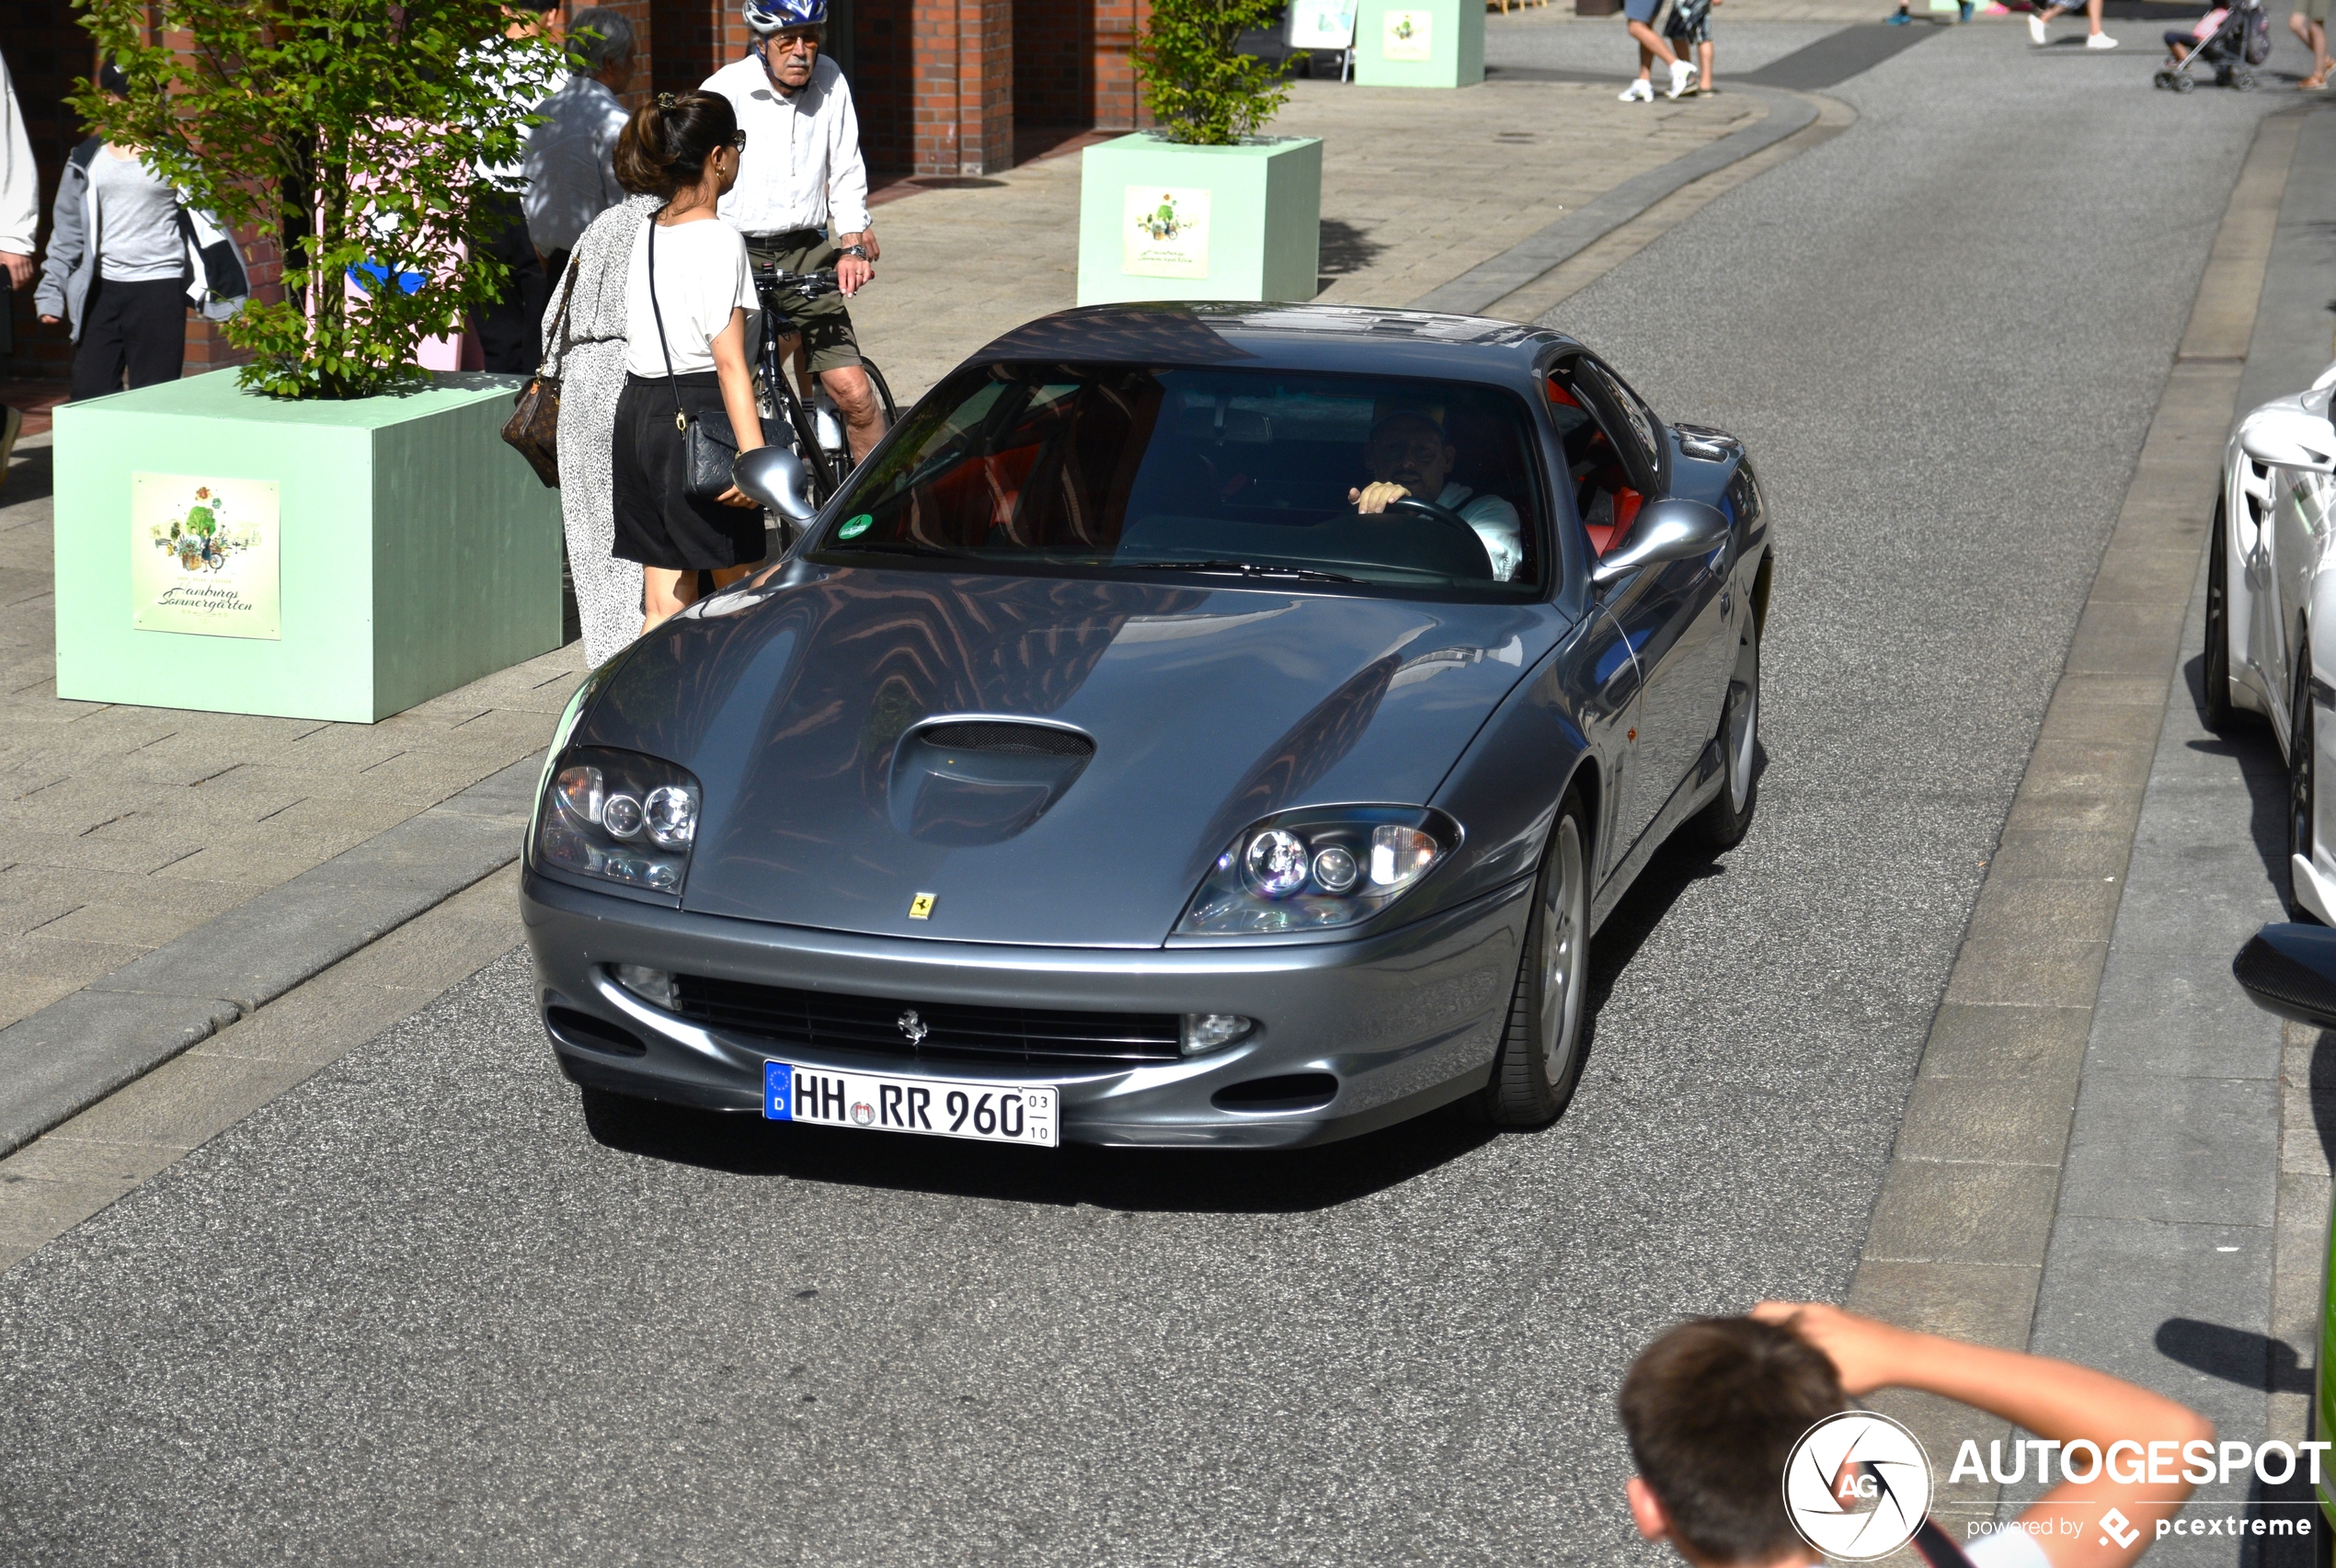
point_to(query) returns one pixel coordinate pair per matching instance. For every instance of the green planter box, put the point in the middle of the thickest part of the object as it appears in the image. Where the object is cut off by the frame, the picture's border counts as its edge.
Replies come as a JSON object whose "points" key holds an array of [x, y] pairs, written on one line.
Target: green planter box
{"points": [[224, 551], [1419, 44], [1162, 221]]}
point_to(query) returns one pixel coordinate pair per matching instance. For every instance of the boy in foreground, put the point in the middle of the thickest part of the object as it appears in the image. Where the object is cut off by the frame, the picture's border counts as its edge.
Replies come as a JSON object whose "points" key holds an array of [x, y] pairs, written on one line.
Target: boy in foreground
{"points": [[1714, 1407]]}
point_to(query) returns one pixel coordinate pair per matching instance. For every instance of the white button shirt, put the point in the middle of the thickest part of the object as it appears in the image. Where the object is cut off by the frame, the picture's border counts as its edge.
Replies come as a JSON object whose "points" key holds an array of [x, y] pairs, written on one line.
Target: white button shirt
{"points": [[571, 162], [802, 168]]}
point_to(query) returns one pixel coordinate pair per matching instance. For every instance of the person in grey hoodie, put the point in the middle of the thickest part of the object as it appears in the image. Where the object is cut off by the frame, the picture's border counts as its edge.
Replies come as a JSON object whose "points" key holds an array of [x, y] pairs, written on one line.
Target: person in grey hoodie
{"points": [[126, 259]]}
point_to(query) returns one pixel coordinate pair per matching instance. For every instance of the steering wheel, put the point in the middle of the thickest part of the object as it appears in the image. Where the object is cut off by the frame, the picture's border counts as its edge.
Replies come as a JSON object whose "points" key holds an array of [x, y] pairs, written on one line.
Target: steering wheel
{"points": [[1460, 536]]}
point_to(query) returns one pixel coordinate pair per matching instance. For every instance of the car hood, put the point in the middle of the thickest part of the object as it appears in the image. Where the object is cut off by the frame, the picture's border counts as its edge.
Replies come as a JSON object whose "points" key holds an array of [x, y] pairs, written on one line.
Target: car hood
{"points": [[799, 707]]}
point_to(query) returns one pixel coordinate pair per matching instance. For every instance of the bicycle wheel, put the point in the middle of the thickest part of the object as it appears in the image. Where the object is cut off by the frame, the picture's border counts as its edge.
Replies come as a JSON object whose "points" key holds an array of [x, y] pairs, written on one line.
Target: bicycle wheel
{"points": [[884, 392]]}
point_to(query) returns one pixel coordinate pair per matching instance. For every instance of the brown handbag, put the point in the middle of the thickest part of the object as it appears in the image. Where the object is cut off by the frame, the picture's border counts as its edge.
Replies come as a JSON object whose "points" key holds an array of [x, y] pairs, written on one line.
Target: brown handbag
{"points": [[535, 425]]}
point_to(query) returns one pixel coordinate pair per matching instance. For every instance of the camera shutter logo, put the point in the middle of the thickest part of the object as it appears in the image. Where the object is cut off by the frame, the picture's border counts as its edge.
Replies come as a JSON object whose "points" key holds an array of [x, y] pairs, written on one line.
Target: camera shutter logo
{"points": [[1857, 1486]]}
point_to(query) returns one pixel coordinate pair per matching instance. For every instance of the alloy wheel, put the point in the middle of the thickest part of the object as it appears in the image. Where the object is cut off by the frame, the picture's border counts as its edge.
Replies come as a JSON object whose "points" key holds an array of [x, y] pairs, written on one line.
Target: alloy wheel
{"points": [[1564, 950]]}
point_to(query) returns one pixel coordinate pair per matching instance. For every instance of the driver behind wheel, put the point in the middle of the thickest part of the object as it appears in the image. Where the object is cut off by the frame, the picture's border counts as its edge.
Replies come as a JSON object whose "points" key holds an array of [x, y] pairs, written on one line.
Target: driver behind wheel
{"points": [[1407, 455]]}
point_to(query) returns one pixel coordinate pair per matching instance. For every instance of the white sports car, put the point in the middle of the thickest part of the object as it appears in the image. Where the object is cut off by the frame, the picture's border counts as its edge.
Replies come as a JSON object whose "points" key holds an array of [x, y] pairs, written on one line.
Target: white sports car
{"points": [[2271, 580]]}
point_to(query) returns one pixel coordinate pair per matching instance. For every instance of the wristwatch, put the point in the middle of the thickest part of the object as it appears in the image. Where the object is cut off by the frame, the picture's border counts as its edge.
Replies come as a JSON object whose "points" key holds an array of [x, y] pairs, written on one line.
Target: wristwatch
{"points": [[859, 250]]}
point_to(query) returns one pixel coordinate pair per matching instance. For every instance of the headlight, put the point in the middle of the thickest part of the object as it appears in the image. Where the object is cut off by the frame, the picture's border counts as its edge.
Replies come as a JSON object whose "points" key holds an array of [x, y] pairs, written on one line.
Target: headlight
{"points": [[1315, 870], [619, 816]]}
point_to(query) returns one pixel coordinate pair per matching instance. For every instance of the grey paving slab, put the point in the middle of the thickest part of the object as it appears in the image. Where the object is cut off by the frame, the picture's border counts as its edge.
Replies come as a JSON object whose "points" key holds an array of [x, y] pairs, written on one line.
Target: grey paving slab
{"points": [[2150, 1145], [2160, 1013]]}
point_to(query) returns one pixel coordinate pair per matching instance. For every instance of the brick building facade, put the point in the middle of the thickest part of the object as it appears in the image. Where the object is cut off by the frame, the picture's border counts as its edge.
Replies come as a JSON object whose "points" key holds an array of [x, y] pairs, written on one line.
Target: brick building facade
{"points": [[942, 88]]}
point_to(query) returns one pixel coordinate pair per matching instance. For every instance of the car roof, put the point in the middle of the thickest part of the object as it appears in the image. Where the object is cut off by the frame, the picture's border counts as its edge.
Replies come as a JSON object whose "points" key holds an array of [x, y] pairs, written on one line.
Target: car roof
{"points": [[1283, 337]]}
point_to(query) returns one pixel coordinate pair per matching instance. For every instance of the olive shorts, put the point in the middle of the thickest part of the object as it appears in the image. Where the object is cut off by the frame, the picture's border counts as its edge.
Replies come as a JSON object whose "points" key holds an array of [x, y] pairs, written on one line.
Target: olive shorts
{"points": [[828, 340], [2312, 11]]}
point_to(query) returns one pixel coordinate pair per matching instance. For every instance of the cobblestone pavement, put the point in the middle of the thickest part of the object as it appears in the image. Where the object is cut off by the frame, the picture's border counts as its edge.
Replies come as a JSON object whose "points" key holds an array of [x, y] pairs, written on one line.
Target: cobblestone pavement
{"points": [[1417, 188], [129, 827]]}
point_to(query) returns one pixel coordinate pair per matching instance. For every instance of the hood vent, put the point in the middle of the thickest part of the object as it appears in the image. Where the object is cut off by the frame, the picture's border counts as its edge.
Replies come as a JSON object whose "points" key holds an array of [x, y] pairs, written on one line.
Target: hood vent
{"points": [[982, 734], [981, 781]]}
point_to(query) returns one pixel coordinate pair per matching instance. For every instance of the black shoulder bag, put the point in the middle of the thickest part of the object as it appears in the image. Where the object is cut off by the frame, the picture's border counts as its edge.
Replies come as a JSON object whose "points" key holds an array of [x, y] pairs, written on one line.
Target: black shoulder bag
{"points": [[709, 447]]}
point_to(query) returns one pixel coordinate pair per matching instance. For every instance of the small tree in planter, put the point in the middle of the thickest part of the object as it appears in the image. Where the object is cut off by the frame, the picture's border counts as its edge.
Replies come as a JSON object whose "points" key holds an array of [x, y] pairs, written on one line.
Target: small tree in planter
{"points": [[1203, 208], [1197, 81], [353, 131]]}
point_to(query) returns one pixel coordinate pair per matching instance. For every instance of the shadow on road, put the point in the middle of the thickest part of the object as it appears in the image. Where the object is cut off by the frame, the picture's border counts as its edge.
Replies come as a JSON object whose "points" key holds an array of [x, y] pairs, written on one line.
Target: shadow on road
{"points": [[2236, 1356], [1167, 1181], [2248, 739]]}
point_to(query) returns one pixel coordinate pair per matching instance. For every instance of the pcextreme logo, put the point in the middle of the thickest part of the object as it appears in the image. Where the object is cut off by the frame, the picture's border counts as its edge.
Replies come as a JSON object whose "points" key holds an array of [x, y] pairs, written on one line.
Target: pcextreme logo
{"points": [[1857, 1486]]}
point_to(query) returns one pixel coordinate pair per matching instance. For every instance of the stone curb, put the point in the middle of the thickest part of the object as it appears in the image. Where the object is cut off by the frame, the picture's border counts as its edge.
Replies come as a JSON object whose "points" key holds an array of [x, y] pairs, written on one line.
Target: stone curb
{"points": [[1475, 291], [1957, 1239], [127, 1022]]}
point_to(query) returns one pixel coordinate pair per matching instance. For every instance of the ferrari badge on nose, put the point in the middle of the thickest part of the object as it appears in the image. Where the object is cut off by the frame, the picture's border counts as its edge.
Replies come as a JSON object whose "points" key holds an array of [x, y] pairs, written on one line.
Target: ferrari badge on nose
{"points": [[921, 907], [914, 1027]]}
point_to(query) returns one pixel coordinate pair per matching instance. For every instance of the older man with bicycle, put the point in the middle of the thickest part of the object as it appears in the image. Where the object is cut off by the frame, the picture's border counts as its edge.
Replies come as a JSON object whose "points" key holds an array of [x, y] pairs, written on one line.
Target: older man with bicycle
{"points": [[802, 172]]}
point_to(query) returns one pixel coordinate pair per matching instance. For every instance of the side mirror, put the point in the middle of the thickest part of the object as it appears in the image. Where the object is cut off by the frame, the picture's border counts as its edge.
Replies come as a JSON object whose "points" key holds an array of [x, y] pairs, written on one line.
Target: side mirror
{"points": [[776, 477], [1666, 530], [2290, 971], [2290, 439]]}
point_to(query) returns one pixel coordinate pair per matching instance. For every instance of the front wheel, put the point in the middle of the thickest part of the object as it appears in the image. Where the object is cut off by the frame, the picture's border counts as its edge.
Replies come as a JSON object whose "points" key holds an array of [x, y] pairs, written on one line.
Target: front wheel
{"points": [[1542, 1048], [1722, 825], [2302, 763], [2215, 705]]}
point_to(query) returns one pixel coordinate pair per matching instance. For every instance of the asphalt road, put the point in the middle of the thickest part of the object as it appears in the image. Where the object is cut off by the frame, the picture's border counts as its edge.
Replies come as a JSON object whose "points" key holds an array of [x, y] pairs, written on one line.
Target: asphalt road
{"points": [[411, 1312]]}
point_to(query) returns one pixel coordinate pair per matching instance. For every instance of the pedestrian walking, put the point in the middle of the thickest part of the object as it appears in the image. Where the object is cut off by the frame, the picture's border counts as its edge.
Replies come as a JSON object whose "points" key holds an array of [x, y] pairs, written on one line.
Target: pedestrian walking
{"points": [[1716, 1408], [1689, 27], [584, 350], [2309, 22], [2094, 38], [20, 219], [509, 327], [1640, 16], [126, 259], [571, 157], [688, 292], [803, 177]]}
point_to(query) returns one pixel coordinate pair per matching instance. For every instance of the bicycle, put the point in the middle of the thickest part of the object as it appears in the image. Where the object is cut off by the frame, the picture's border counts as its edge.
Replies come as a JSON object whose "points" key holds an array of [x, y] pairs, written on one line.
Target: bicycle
{"points": [[819, 429]]}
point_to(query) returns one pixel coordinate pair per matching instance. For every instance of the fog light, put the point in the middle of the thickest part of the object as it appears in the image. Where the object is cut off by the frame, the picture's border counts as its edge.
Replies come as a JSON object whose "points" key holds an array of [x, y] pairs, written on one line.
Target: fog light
{"points": [[1213, 1031], [652, 986]]}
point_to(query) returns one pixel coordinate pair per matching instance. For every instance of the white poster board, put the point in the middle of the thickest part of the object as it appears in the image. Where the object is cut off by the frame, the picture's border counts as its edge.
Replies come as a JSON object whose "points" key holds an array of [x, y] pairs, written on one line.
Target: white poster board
{"points": [[1166, 232], [1322, 24], [203, 555], [1407, 35]]}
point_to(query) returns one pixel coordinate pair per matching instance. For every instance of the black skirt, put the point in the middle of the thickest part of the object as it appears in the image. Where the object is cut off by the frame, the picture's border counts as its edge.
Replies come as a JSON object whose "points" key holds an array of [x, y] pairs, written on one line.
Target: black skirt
{"points": [[656, 524]]}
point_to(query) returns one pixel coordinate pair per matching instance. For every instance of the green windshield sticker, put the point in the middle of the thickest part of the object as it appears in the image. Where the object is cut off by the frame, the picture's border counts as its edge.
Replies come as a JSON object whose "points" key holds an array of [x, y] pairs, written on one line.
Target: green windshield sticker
{"points": [[857, 527]]}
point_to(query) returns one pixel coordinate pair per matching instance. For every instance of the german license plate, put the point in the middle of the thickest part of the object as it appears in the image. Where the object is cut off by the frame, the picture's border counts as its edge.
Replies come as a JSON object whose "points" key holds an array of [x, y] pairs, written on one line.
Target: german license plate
{"points": [[937, 1107]]}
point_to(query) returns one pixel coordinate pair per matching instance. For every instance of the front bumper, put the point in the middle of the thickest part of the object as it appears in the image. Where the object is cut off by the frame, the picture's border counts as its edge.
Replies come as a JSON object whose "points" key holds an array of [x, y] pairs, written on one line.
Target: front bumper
{"points": [[1404, 1022]]}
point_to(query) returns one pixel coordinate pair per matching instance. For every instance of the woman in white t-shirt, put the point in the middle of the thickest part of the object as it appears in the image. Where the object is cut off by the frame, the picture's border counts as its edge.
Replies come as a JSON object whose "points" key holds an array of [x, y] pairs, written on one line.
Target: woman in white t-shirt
{"points": [[685, 354]]}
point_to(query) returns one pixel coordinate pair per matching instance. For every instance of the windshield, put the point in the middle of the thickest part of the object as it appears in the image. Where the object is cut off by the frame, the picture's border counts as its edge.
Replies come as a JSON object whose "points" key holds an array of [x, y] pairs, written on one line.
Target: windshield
{"points": [[1390, 482]]}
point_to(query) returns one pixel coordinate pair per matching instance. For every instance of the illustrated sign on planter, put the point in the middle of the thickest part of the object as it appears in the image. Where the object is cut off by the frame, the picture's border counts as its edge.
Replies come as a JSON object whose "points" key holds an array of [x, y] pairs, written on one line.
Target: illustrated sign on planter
{"points": [[1167, 233], [1408, 35], [1420, 43], [203, 557]]}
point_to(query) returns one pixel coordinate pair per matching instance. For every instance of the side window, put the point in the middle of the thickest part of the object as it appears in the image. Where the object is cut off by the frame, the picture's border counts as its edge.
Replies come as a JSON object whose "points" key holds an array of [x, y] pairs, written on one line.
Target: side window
{"points": [[1638, 424], [1603, 475]]}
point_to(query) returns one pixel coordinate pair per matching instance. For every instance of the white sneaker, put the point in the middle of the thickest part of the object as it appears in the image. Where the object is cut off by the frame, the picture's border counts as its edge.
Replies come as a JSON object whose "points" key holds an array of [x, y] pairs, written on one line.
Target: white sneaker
{"points": [[2036, 34], [1682, 78], [2100, 40], [1640, 91]]}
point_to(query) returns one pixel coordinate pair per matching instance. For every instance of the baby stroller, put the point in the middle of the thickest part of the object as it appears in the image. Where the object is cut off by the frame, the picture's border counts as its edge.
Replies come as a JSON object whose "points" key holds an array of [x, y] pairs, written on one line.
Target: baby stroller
{"points": [[2238, 39]]}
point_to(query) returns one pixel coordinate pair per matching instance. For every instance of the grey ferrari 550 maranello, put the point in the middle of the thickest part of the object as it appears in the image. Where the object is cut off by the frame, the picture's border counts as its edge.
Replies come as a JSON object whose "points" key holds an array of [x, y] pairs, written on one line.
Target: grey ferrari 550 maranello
{"points": [[1198, 726]]}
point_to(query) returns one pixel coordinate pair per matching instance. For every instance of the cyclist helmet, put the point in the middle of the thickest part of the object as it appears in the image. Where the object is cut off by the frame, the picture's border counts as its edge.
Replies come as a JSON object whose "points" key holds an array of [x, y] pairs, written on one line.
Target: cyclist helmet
{"points": [[768, 16]]}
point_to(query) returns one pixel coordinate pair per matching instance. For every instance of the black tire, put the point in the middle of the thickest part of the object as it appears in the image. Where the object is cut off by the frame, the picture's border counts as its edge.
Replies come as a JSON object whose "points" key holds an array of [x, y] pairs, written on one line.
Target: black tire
{"points": [[884, 392], [2214, 707], [2300, 783], [1722, 824], [1548, 1035]]}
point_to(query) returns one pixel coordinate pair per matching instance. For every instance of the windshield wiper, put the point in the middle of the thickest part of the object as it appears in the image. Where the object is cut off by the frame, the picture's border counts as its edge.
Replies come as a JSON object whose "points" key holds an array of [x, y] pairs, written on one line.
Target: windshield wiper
{"points": [[1238, 568], [896, 547]]}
